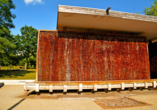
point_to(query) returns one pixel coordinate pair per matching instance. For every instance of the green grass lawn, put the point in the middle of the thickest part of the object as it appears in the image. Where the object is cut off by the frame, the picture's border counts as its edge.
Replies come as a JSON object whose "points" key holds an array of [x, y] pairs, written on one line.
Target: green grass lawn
{"points": [[18, 74], [12, 67]]}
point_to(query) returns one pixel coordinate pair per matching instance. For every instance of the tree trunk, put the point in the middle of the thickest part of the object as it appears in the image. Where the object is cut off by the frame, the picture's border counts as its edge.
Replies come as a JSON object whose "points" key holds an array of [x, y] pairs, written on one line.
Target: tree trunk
{"points": [[26, 67]]}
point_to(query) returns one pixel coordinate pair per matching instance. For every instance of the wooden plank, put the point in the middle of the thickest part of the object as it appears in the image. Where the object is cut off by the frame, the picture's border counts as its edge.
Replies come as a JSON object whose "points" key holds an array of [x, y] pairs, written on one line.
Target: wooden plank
{"points": [[102, 86], [116, 86]]}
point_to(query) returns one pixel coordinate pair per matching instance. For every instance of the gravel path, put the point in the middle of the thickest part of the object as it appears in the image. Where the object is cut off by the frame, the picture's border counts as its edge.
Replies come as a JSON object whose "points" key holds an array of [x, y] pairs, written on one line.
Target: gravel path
{"points": [[118, 102]]}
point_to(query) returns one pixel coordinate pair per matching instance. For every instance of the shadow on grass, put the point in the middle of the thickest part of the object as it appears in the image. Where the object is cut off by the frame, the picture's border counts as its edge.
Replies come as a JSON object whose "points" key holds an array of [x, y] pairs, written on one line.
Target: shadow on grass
{"points": [[14, 73]]}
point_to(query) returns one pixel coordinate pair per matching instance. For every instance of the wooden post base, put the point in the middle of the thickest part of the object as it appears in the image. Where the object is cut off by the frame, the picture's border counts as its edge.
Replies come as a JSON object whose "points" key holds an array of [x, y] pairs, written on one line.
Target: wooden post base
{"points": [[129, 89], [106, 90], [79, 92], [118, 90]]}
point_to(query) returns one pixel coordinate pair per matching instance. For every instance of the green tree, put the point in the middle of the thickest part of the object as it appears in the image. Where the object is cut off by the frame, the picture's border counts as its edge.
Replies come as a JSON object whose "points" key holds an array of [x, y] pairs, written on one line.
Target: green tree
{"points": [[152, 10], [27, 41], [6, 23], [5, 60]]}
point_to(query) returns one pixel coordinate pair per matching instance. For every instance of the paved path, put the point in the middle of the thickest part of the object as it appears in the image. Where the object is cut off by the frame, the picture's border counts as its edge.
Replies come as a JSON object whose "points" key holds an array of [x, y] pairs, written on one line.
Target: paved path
{"points": [[13, 97], [16, 82]]}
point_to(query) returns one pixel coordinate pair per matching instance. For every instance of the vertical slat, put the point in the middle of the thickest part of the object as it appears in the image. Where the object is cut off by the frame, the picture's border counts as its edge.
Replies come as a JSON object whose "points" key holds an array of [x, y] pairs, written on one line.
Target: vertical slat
{"points": [[95, 87], [109, 87], [134, 85], [154, 84], [122, 86], [37, 87], [50, 88], [80, 87], [146, 85], [65, 89]]}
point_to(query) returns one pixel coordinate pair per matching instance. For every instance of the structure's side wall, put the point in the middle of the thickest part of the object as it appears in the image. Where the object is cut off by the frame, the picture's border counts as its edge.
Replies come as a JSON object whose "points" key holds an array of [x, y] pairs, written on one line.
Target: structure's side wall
{"points": [[65, 56], [153, 59]]}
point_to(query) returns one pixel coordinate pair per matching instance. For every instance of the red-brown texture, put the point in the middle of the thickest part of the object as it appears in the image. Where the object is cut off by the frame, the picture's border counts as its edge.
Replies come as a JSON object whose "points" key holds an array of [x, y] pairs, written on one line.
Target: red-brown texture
{"points": [[69, 56], [153, 59]]}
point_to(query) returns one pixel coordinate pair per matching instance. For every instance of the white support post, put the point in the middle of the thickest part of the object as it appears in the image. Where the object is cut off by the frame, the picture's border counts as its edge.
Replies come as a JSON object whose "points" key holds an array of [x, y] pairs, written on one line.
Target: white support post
{"points": [[146, 85], [109, 87], [122, 86], [134, 85], [154, 84], [65, 89], [25, 88], [95, 87], [80, 87], [50, 88], [37, 87]]}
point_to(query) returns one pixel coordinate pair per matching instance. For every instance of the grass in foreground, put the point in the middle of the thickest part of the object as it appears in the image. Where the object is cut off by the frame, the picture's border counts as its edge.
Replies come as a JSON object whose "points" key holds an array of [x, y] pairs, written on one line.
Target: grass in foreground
{"points": [[18, 74], [11, 67]]}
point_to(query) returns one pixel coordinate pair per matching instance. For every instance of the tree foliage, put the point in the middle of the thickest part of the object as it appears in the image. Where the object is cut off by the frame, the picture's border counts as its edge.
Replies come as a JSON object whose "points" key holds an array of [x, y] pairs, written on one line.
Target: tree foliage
{"points": [[27, 41], [6, 23], [152, 10]]}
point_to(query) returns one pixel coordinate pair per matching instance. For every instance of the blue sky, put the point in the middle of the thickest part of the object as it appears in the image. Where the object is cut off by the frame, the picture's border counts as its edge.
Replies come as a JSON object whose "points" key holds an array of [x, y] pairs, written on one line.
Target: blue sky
{"points": [[42, 14]]}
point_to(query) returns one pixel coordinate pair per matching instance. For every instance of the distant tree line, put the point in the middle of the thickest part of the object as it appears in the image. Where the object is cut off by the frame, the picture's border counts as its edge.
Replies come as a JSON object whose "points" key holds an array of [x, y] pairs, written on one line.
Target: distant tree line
{"points": [[16, 49]]}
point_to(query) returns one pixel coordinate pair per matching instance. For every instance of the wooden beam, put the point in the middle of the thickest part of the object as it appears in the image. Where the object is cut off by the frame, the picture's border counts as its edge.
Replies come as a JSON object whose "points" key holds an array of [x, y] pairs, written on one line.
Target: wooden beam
{"points": [[64, 28], [106, 90], [118, 90], [129, 89], [89, 30]]}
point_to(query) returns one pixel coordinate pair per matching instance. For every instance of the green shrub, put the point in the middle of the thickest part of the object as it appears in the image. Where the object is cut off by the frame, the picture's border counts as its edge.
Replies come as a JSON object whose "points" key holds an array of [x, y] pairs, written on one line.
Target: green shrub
{"points": [[22, 62]]}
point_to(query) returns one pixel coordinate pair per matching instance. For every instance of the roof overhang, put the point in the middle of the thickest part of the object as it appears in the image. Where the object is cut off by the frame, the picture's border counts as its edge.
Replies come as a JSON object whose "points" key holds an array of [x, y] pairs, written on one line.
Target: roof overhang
{"points": [[88, 18]]}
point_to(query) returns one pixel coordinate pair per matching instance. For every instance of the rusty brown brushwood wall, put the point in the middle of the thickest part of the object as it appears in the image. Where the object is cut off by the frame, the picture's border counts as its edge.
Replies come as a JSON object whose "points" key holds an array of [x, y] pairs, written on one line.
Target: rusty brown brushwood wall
{"points": [[69, 56], [153, 59]]}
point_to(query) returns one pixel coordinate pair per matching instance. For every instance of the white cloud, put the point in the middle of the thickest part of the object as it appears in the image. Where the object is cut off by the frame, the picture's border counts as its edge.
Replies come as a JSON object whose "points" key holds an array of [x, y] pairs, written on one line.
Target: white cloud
{"points": [[33, 1]]}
